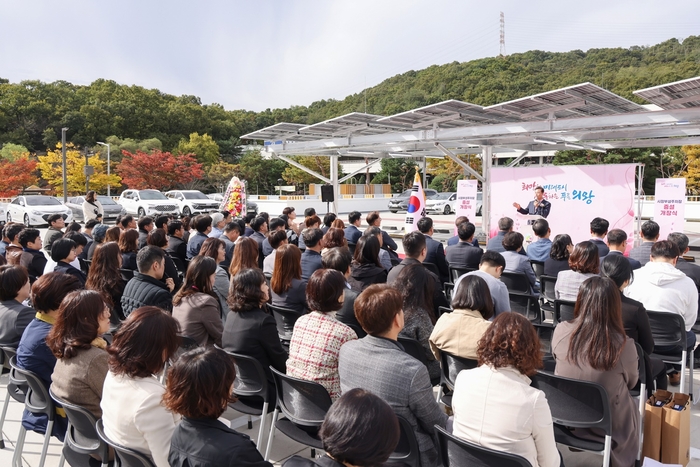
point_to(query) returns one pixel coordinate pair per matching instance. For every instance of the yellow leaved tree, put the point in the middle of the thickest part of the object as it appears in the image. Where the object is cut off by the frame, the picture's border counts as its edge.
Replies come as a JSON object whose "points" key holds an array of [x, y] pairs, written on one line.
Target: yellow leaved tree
{"points": [[692, 173], [51, 168]]}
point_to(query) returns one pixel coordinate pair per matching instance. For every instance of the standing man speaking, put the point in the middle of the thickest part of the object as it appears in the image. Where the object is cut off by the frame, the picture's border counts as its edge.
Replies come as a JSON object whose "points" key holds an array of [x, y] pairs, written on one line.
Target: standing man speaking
{"points": [[538, 207]]}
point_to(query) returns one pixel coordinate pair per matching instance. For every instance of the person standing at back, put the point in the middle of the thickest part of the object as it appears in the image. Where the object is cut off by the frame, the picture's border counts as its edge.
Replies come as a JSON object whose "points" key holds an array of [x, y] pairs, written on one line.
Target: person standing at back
{"points": [[92, 208]]}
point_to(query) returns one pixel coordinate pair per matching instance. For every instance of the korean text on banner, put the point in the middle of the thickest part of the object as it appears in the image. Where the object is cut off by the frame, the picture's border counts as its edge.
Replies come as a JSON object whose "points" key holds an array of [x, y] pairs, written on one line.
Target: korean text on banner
{"points": [[416, 206], [466, 199], [669, 205]]}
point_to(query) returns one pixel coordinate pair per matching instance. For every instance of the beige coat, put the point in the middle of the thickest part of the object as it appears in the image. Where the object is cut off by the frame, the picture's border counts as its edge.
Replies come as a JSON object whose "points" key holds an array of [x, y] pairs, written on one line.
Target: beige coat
{"points": [[617, 383], [199, 315], [79, 380], [458, 333]]}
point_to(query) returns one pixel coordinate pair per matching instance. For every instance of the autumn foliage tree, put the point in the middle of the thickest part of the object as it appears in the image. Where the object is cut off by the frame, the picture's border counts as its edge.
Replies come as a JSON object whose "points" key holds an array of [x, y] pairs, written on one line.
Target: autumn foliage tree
{"points": [[51, 167], [158, 170], [16, 175]]}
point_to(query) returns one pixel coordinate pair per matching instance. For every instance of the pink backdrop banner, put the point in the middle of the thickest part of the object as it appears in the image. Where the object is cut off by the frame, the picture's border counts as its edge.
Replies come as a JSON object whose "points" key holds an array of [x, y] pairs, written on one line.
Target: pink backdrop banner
{"points": [[669, 206], [578, 193]]}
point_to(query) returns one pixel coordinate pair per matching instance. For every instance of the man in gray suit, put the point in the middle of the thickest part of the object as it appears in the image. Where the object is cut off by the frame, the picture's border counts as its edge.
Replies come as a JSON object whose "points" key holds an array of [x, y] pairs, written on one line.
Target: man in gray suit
{"points": [[379, 364], [650, 234]]}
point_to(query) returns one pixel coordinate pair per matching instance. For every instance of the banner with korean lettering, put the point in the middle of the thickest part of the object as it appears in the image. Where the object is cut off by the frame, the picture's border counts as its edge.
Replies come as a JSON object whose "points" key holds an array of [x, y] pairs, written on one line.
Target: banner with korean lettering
{"points": [[669, 205], [573, 195], [466, 200]]}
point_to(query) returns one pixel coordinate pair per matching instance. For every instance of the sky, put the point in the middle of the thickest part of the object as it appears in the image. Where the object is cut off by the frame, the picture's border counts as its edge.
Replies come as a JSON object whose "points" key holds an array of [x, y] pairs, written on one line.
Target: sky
{"points": [[263, 54]]}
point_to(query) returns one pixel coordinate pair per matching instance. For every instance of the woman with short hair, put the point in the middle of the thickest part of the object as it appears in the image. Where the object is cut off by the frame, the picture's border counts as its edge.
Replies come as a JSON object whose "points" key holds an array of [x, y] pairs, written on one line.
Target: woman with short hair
{"points": [[132, 410], [584, 263], [76, 342], [558, 259], [104, 277], [14, 315], [334, 238], [318, 336], [359, 430], [199, 389], [366, 268], [63, 251], [494, 404], [196, 306], [593, 347], [216, 250], [129, 246]]}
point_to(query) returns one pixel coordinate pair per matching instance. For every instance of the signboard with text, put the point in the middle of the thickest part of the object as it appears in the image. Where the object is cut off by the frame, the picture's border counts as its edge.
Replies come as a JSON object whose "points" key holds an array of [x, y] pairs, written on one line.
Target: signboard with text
{"points": [[669, 205], [466, 200]]}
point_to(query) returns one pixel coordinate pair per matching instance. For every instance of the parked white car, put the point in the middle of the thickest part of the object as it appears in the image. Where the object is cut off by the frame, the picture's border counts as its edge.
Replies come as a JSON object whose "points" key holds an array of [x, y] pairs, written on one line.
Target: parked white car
{"points": [[147, 202], [36, 209], [192, 202], [442, 203]]}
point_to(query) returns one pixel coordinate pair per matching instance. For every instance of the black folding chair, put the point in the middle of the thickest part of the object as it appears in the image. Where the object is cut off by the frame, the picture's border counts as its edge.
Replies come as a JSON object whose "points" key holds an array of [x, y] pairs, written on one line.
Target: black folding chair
{"points": [[125, 457], [179, 264], [82, 440], [456, 452], [521, 298], [415, 350], [449, 288], [432, 268], [670, 345], [250, 387], [640, 391], [285, 319], [563, 310], [304, 405], [450, 366], [16, 386], [443, 309], [547, 295], [127, 274], [577, 404], [406, 452], [537, 268], [457, 272]]}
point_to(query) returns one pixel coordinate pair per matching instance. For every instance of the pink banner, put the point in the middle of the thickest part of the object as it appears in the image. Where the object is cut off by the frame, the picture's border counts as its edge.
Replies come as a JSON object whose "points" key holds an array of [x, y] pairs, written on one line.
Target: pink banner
{"points": [[669, 206], [577, 193]]}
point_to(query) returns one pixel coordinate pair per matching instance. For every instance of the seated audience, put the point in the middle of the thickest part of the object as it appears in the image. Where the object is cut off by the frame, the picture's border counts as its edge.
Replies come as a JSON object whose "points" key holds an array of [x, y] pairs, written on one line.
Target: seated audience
{"points": [[599, 229], [202, 224], [650, 235], [515, 262], [215, 249], [195, 305], [539, 249], [634, 315], [458, 333], [366, 268], [339, 224], [187, 227], [584, 263], [494, 404], [327, 221], [145, 227], [13, 249], [360, 429], [199, 390], [617, 243], [232, 231], [104, 278], [558, 259], [80, 243], [311, 258], [455, 239], [127, 222], [691, 270], [32, 259], [371, 363], [594, 347], [490, 270], [132, 408], [464, 254], [384, 257], [310, 222], [113, 234], [277, 239], [288, 288], [352, 233], [56, 223], [340, 260], [260, 229], [245, 256], [318, 336], [416, 289], [128, 245], [334, 238], [98, 238], [250, 329], [435, 251], [177, 247], [76, 342], [276, 225], [217, 225], [505, 225], [157, 238], [373, 219], [14, 315], [47, 295], [63, 253], [146, 287]]}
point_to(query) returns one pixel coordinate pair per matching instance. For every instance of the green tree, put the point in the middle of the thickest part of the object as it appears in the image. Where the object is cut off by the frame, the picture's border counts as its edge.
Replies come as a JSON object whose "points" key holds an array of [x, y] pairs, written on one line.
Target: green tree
{"points": [[204, 147], [218, 175], [260, 173], [49, 138], [398, 172], [320, 164], [12, 152]]}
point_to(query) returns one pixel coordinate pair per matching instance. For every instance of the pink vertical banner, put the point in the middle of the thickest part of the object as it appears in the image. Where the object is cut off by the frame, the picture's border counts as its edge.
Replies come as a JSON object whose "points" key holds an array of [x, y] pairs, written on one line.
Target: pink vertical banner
{"points": [[577, 193], [466, 200], [669, 205]]}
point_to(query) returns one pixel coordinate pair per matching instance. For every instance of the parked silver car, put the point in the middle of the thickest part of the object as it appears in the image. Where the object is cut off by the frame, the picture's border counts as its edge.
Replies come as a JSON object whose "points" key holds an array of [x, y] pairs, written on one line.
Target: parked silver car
{"points": [[111, 209], [400, 202]]}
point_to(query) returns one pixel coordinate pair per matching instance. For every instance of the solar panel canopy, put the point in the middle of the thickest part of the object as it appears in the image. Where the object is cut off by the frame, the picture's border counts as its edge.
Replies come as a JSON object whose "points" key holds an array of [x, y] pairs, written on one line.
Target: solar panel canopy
{"points": [[447, 114], [678, 95], [280, 132], [356, 123]]}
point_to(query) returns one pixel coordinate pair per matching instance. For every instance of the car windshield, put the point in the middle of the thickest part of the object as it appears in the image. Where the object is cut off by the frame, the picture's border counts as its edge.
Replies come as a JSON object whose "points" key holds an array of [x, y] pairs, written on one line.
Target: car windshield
{"points": [[441, 196], [194, 195], [42, 201], [105, 200], [151, 194], [405, 194]]}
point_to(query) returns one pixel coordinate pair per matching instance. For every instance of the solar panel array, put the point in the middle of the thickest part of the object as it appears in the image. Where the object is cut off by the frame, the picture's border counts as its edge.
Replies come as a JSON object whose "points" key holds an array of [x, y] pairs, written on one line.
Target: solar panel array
{"points": [[678, 95]]}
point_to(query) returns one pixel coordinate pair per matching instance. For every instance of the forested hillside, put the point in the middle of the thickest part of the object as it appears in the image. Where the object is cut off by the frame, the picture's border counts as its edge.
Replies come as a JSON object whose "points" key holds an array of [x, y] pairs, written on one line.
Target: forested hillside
{"points": [[32, 112]]}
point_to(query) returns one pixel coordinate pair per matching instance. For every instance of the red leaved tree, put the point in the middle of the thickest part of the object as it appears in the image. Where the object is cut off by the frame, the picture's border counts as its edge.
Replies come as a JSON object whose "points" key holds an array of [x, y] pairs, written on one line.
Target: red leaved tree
{"points": [[16, 175], [158, 170]]}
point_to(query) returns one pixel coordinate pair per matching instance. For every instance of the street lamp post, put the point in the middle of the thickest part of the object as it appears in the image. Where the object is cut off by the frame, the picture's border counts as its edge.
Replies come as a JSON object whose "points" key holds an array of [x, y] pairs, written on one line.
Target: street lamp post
{"points": [[108, 165], [63, 157]]}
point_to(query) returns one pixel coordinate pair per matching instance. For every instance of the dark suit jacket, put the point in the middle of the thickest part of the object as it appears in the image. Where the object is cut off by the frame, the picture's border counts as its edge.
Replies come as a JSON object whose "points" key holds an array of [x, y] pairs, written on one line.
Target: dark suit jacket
{"points": [[541, 210], [633, 262], [352, 234], [254, 333], [346, 314], [496, 244], [636, 321], [364, 275], [200, 441], [14, 318], [143, 238], [552, 267], [294, 299], [310, 263], [439, 298], [464, 255], [455, 240], [259, 238], [436, 255], [34, 261], [73, 271], [177, 248], [602, 247]]}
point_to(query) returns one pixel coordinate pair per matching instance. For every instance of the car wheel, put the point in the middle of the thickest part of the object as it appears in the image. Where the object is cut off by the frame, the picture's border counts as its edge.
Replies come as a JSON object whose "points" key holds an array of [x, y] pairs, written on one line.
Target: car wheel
{"points": [[446, 211], [393, 212], [186, 211], [141, 212], [26, 221]]}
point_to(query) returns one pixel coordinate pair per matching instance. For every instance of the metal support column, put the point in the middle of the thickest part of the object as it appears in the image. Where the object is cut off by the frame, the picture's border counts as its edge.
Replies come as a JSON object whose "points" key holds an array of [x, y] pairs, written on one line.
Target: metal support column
{"points": [[65, 170], [425, 179], [638, 215], [335, 182], [486, 163]]}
